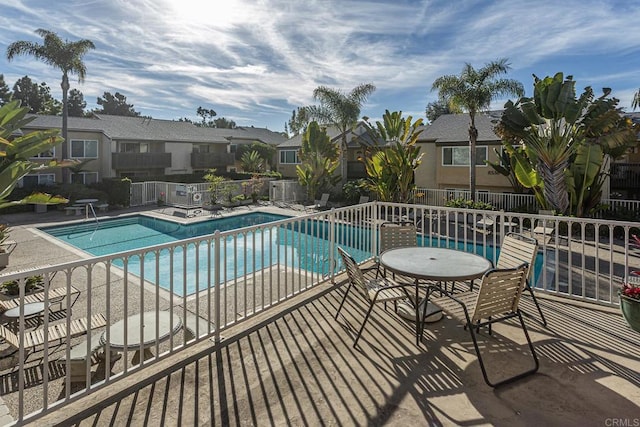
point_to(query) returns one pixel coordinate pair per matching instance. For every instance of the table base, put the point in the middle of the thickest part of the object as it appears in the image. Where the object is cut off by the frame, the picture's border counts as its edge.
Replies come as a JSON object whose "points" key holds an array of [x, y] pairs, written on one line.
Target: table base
{"points": [[407, 311]]}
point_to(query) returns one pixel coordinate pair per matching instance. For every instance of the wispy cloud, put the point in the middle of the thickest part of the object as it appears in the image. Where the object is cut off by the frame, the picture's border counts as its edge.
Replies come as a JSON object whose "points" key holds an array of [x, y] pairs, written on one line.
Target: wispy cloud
{"points": [[255, 61]]}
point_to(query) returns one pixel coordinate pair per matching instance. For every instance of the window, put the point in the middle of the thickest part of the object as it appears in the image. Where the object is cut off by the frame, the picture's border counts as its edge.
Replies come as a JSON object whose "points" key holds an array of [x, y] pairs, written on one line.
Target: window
{"points": [[29, 181], [459, 156], [84, 149], [289, 157], [134, 147], [49, 154], [201, 148], [85, 178], [233, 148]]}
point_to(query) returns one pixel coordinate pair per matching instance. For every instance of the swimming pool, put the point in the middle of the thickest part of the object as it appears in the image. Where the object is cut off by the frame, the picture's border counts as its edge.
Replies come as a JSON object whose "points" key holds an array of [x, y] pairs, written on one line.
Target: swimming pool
{"points": [[303, 245], [139, 231]]}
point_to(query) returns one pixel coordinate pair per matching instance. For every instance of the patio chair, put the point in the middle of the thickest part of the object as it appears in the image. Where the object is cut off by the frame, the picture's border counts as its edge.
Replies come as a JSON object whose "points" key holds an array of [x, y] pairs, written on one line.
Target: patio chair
{"points": [[396, 235], [363, 199], [496, 300], [319, 204], [56, 332], [378, 290], [515, 250]]}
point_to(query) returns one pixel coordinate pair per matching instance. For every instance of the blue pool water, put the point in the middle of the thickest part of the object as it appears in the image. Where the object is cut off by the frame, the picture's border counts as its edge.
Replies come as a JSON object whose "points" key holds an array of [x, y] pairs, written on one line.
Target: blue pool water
{"points": [[299, 245], [123, 234]]}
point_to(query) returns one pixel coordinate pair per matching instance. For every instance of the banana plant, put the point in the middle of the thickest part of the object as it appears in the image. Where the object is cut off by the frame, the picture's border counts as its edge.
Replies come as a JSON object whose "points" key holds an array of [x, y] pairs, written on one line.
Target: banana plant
{"points": [[392, 156], [506, 167], [582, 178], [16, 150], [319, 161]]}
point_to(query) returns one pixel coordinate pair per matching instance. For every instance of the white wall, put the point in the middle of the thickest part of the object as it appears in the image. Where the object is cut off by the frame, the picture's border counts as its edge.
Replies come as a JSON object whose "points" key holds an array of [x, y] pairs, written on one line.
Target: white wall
{"points": [[180, 157]]}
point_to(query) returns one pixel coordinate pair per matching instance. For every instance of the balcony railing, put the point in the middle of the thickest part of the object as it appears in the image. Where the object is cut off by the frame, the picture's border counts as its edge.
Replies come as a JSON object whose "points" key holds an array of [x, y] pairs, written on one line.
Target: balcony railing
{"points": [[625, 176], [211, 160], [134, 161], [215, 281]]}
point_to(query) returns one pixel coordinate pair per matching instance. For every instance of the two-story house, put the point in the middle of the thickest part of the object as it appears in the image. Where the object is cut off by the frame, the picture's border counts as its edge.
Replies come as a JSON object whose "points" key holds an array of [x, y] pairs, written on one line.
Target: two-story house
{"points": [[117, 146]]}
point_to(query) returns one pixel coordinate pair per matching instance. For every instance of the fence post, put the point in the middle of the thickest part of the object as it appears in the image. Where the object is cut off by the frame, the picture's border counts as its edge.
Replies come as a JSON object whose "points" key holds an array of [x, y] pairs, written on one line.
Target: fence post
{"points": [[216, 282]]}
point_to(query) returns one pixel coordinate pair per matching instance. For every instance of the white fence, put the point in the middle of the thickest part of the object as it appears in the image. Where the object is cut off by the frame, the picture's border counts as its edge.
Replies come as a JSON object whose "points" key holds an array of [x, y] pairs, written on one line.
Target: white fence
{"points": [[185, 195], [218, 279], [510, 202]]}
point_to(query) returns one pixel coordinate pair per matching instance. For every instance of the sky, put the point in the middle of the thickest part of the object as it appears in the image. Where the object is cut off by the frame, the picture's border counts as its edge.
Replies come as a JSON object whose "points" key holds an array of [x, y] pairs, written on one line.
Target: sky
{"points": [[254, 61]]}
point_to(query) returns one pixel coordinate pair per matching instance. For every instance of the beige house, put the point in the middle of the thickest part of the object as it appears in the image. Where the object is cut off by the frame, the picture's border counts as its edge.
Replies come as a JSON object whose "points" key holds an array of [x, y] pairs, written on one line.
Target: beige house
{"points": [[288, 152], [445, 144], [116, 146]]}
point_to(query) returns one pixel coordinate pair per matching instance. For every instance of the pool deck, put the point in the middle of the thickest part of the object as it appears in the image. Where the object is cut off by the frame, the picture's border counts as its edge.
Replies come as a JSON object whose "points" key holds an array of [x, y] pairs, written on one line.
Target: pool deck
{"points": [[294, 364]]}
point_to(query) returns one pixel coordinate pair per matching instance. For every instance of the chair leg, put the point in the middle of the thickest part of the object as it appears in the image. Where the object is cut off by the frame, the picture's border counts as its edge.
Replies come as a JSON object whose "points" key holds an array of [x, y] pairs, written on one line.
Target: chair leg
{"points": [[515, 377], [535, 301], [343, 300], [364, 322]]}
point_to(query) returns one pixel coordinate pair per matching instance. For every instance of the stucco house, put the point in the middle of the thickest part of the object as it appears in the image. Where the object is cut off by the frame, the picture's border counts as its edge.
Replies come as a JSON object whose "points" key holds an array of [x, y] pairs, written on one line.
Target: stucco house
{"points": [[117, 146], [445, 144]]}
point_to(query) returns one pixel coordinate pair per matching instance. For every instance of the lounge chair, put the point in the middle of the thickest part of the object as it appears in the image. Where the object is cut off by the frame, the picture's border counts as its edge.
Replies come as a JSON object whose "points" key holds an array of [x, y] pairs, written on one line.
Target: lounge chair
{"points": [[319, 204], [496, 300], [543, 227], [54, 333], [379, 290]]}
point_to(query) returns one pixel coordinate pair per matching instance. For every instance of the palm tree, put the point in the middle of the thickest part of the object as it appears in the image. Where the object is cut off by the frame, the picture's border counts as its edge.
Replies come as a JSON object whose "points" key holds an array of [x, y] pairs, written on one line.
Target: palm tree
{"points": [[636, 100], [66, 56], [473, 90], [340, 110]]}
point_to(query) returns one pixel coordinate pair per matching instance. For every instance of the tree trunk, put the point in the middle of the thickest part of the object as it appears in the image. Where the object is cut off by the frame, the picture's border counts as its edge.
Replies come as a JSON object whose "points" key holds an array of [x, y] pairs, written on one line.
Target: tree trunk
{"points": [[473, 136], [65, 114], [343, 159]]}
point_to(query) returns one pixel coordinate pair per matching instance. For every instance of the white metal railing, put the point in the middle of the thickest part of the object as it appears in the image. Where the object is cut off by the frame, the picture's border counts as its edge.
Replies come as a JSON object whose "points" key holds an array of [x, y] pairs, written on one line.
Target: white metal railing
{"points": [[505, 201], [218, 280], [512, 202]]}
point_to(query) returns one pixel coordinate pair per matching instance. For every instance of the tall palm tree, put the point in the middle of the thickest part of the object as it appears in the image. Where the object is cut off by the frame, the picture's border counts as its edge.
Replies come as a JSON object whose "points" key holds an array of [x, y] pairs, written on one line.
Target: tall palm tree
{"points": [[472, 91], [64, 55], [635, 103], [340, 110]]}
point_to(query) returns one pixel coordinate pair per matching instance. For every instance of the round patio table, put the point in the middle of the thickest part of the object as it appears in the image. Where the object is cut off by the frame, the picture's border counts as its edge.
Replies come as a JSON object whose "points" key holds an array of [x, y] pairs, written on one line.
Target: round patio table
{"points": [[30, 310], [131, 339], [86, 203], [437, 264]]}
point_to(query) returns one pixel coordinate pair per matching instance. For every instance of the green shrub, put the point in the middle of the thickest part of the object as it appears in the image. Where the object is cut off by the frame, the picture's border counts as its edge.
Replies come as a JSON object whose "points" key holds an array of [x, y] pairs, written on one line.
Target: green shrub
{"points": [[468, 204], [11, 287]]}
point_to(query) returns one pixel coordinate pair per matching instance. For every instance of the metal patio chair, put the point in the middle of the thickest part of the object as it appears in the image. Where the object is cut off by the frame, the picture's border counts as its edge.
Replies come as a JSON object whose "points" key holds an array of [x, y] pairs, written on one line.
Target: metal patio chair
{"points": [[378, 290], [515, 250], [496, 300], [396, 235]]}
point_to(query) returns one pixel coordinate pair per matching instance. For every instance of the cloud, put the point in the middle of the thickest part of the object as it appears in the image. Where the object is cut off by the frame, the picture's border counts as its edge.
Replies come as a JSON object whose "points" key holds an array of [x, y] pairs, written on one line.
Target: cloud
{"points": [[261, 59]]}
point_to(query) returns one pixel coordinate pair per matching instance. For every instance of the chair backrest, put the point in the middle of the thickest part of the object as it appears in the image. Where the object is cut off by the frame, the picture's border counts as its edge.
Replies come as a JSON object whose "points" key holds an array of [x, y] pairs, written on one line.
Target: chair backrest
{"points": [[363, 199], [517, 249], [394, 235], [499, 293], [353, 271], [9, 337], [324, 199]]}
